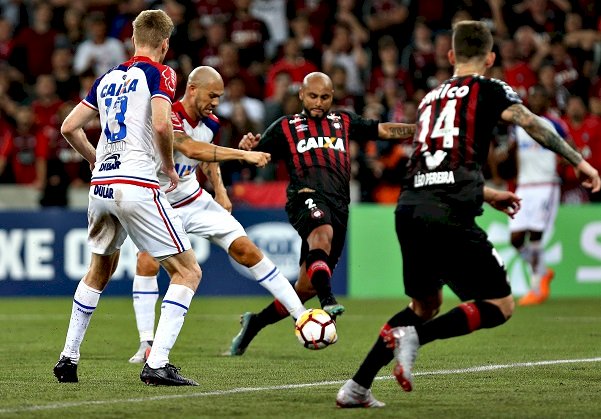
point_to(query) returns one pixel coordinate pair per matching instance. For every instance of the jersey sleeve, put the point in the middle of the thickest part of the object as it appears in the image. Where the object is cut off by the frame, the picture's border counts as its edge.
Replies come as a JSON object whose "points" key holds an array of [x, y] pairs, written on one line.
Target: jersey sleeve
{"points": [[176, 121], [163, 83], [212, 123], [362, 129], [272, 139], [91, 98], [501, 96]]}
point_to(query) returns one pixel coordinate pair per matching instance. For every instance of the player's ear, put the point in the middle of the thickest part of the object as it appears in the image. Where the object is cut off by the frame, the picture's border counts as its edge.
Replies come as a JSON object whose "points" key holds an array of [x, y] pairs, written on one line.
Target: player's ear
{"points": [[451, 57], [490, 59]]}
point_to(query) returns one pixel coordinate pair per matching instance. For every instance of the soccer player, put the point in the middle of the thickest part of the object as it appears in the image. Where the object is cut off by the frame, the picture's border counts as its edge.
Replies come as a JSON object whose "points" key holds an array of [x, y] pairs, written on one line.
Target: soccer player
{"points": [[538, 186], [194, 127], [435, 217], [315, 146], [134, 103]]}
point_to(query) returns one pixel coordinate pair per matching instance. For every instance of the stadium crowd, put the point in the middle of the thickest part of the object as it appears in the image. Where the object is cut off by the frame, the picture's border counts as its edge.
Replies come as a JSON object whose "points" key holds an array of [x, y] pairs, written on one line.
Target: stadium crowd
{"points": [[382, 55]]}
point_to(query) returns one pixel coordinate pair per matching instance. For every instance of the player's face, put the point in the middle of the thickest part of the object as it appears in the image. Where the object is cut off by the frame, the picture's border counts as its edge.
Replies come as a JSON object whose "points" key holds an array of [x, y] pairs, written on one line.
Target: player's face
{"points": [[207, 97], [317, 98]]}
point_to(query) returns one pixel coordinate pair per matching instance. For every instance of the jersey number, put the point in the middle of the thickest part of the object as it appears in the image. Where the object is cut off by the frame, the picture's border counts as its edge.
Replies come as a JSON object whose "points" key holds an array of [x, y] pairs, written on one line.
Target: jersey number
{"points": [[443, 128], [310, 204], [115, 115]]}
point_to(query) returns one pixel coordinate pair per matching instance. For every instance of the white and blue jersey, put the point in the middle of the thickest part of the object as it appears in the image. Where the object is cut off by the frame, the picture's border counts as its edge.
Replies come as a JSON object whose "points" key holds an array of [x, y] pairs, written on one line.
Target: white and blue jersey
{"points": [[203, 130], [126, 151]]}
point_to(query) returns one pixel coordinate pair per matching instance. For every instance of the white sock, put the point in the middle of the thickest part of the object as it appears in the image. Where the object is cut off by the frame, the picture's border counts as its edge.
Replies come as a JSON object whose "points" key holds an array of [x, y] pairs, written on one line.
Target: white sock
{"points": [[270, 278], [85, 301], [536, 255], [173, 310], [145, 291]]}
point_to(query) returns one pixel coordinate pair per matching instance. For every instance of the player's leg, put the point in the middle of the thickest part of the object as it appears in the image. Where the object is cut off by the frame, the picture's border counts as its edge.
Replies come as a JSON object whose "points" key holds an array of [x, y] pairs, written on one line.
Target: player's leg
{"points": [[185, 276], [145, 292], [85, 301]]}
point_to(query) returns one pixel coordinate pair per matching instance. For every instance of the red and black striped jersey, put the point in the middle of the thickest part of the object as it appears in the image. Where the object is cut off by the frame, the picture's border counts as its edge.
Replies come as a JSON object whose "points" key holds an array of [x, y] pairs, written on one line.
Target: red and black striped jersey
{"points": [[317, 150], [454, 129]]}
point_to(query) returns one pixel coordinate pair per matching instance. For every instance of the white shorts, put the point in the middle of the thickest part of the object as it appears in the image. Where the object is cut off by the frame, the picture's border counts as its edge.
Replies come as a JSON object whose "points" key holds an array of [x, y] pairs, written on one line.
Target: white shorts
{"points": [[206, 218], [539, 207], [118, 210]]}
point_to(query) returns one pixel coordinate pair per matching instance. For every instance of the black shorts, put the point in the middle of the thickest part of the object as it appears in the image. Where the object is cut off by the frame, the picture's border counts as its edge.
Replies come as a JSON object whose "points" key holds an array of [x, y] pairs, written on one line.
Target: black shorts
{"points": [[443, 248], [307, 211]]}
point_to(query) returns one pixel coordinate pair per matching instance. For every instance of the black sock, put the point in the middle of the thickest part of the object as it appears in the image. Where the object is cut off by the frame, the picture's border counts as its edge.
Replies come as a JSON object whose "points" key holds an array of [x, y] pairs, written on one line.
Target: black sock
{"points": [[461, 320], [270, 315], [380, 355], [319, 274]]}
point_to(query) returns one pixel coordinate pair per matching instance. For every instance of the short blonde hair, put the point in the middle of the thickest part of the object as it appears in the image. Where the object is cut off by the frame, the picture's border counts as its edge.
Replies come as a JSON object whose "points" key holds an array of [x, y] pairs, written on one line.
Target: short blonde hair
{"points": [[152, 27]]}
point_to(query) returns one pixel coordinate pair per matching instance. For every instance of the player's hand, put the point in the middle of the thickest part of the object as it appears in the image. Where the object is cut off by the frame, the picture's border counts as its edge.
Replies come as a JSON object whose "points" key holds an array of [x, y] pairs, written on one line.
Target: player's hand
{"points": [[505, 201], [249, 141], [588, 176], [257, 158], [172, 175]]}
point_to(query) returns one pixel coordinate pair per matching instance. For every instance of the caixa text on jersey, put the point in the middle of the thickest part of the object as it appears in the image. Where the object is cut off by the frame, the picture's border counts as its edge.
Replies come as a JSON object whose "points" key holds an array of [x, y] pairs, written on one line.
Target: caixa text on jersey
{"points": [[310, 143]]}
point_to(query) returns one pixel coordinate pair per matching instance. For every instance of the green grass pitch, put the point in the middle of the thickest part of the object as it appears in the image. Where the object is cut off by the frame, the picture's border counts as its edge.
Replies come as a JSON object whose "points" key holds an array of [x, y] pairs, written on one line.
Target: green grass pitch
{"points": [[544, 363]]}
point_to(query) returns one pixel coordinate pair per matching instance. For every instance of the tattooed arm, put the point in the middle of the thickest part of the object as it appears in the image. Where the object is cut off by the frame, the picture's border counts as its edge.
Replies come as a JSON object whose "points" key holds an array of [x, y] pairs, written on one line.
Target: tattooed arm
{"points": [[520, 115], [394, 130], [213, 173]]}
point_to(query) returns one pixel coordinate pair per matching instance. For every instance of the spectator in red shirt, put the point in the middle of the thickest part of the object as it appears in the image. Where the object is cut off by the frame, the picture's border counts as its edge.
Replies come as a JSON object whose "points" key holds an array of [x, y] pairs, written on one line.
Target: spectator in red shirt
{"points": [[46, 104], [292, 63], [34, 44], [216, 35], [249, 34], [211, 11], [585, 130], [595, 97], [229, 67], [22, 151], [6, 40], [389, 71]]}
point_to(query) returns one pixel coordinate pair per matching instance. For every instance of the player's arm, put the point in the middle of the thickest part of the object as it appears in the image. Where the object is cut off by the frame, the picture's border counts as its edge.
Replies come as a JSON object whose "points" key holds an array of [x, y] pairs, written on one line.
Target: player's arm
{"points": [[213, 172], [395, 130], [72, 130], [211, 153], [163, 137], [520, 115], [504, 201]]}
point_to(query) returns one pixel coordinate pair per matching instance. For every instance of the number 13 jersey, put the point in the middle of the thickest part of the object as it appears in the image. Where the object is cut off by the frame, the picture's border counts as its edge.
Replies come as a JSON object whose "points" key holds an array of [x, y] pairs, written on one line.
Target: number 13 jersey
{"points": [[125, 152], [455, 122]]}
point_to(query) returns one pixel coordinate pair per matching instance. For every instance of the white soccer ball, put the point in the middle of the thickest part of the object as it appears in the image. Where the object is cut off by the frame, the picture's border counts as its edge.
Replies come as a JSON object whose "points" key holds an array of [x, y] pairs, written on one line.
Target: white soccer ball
{"points": [[315, 329]]}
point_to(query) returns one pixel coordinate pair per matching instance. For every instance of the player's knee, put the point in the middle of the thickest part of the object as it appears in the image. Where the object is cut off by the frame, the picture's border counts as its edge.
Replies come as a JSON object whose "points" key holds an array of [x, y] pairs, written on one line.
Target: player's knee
{"points": [[493, 314], [146, 265], [517, 240], [426, 308], [245, 252]]}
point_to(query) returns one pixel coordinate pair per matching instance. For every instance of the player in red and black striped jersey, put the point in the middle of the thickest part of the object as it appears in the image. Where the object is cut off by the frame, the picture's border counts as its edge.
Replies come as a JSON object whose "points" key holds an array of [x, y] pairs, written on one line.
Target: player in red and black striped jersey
{"points": [[442, 194], [315, 146]]}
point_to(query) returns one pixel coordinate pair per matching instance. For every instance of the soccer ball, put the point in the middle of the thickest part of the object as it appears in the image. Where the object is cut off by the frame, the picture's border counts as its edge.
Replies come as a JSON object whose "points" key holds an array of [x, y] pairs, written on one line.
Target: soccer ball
{"points": [[315, 329]]}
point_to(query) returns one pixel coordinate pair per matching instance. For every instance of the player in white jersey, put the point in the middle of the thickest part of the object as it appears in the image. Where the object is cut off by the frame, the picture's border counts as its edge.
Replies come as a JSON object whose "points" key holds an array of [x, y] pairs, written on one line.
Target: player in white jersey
{"points": [[538, 186], [134, 103], [194, 128]]}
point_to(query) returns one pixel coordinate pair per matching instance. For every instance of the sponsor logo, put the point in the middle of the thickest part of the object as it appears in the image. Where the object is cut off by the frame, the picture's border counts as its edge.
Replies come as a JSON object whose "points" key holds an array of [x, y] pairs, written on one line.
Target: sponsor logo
{"points": [[333, 117], [170, 80], [433, 178], [103, 191], [110, 163], [301, 127], [115, 89], [296, 120], [317, 213], [311, 143]]}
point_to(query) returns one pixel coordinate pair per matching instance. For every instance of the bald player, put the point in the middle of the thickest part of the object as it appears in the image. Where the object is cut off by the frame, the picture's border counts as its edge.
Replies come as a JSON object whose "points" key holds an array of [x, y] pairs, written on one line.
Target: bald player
{"points": [[195, 127], [315, 144]]}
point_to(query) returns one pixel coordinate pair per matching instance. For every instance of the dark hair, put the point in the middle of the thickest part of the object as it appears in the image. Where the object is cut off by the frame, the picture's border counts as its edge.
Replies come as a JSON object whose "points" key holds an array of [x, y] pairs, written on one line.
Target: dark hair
{"points": [[471, 39]]}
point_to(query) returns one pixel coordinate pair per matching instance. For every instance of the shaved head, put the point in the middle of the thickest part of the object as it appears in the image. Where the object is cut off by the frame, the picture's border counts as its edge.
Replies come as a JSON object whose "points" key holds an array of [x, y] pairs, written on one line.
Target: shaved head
{"points": [[204, 75], [318, 78], [316, 94]]}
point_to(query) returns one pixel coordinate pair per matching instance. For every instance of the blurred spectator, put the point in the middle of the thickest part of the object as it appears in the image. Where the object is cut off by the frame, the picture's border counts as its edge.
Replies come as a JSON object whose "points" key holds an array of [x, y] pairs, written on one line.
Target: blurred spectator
{"points": [[6, 40], [67, 84], [21, 151], [418, 56], [235, 97], [567, 69], [309, 45], [558, 93], [319, 14], [229, 68], [249, 34], [293, 63], [517, 73], [347, 13], [389, 17], [99, 52], [585, 131], [32, 52], [211, 11], [542, 16], [389, 72], [216, 35], [46, 103], [273, 14], [121, 25], [343, 99], [346, 50], [595, 98], [73, 27], [274, 104]]}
